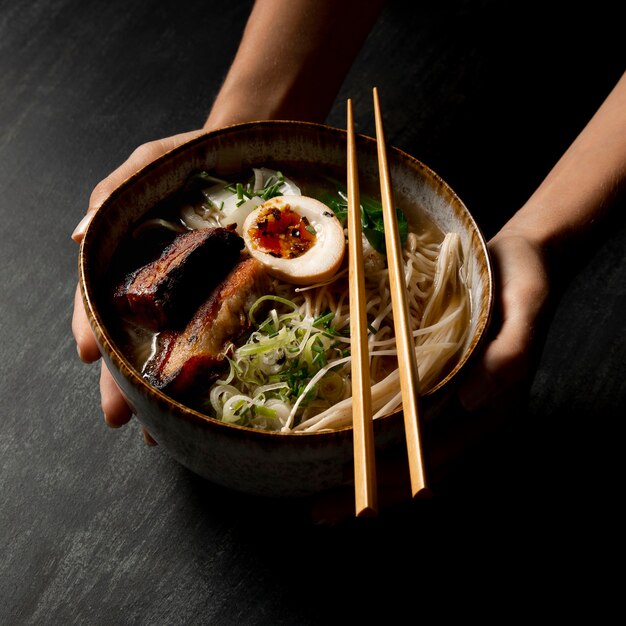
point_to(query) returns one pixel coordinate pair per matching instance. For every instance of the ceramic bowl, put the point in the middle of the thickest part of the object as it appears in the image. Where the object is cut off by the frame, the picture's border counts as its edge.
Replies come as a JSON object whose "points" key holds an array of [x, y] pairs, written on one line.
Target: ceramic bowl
{"points": [[244, 459]]}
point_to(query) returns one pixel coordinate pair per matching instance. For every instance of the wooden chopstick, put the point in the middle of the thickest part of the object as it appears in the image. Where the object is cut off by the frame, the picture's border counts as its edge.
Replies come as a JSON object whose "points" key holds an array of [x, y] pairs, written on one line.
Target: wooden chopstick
{"points": [[364, 456], [407, 361]]}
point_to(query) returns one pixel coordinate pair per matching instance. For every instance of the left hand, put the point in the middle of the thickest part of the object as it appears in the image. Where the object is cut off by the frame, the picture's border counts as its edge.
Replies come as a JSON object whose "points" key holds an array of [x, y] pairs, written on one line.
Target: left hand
{"points": [[116, 410], [522, 289]]}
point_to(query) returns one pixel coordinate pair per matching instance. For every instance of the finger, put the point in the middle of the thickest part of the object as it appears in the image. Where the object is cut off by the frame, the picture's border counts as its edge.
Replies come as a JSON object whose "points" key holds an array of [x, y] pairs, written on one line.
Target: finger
{"points": [[523, 290], [140, 157], [85, 341], [103, 190], [81, 227], [148, 437], [504, 363], [116, 410]]}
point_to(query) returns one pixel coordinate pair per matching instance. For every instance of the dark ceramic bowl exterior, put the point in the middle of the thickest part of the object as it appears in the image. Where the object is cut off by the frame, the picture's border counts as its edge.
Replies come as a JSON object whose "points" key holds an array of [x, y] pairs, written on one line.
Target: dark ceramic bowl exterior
{"points": [[244, 459]]}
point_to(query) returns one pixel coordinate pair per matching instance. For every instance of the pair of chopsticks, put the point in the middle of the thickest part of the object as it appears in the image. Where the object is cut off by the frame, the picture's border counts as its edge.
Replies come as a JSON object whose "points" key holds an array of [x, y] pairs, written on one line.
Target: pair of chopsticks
{"points": [[366, 499]]}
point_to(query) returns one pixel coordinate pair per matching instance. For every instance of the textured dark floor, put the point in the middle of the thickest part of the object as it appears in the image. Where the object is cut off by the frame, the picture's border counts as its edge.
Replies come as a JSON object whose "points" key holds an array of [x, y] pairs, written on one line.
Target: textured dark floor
{"points": [[97, 528]]}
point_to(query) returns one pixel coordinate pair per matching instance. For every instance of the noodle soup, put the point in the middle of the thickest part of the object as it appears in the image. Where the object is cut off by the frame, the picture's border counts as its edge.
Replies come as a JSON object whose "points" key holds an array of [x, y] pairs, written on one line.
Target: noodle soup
{"points": [[287, 367], [278, 458]]}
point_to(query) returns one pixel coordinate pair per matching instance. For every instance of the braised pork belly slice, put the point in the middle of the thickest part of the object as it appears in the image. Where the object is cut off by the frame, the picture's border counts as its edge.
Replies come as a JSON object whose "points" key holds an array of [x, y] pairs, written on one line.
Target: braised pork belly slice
{"points": [[190, 361], [165, 292]]}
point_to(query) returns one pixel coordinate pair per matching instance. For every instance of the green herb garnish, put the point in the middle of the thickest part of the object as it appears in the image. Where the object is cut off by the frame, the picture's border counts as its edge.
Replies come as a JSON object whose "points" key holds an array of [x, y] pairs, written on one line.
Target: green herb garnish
{"points": [[371, 218]]}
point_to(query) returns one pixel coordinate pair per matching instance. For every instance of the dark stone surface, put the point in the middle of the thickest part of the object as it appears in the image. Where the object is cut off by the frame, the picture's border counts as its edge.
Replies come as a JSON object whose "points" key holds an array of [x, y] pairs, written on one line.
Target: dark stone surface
{"points": [[97, 528]]}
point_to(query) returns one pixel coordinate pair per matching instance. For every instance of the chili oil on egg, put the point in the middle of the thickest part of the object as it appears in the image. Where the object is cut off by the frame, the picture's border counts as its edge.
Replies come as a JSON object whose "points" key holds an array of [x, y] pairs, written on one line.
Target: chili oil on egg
{"points": [[299, 239]]}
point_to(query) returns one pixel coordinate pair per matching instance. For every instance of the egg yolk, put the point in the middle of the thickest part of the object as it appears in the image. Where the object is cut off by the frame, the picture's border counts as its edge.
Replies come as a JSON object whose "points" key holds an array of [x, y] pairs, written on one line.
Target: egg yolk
{"points": [[283, 233]]}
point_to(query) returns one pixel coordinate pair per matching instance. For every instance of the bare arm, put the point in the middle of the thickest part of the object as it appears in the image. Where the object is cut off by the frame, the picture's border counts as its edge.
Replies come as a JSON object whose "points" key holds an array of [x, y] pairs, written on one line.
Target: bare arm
{"points": [[579, 190], [293, 57]]}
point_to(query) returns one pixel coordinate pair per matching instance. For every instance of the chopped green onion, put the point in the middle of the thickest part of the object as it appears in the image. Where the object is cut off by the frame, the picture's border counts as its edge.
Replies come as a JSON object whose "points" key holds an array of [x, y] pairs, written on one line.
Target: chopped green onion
{"points": [[278, 369], [262, 299], [323, 320], [264, 411]]}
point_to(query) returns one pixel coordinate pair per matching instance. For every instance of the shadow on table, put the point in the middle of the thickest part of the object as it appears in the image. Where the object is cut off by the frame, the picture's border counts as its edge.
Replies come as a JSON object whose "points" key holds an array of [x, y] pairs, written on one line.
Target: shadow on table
{"points": [[510, 502]]}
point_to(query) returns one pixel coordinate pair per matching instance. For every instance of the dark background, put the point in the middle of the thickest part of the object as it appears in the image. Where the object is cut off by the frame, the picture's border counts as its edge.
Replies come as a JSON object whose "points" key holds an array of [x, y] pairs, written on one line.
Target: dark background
{"points": [[97, 528]]}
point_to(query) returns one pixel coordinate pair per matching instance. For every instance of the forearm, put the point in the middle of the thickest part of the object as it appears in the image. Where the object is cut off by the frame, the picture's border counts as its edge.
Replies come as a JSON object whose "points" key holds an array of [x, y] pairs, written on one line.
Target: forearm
{"points": [[578, 192], [292, 59]]}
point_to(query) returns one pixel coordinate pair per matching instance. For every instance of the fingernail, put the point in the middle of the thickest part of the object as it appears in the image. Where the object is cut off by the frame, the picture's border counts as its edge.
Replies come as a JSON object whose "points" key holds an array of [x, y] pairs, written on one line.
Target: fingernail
{"points": [[79, 231], [111, 423]]}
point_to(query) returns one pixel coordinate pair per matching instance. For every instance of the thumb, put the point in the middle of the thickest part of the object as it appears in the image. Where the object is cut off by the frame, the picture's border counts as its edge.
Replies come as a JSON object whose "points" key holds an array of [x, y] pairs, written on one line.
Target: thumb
{"points": [[140, 157], [522, 284]]}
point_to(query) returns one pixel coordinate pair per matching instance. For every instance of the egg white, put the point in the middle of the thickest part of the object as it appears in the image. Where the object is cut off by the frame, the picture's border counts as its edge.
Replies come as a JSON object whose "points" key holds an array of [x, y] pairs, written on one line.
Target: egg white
{"points": [[321, 261]]}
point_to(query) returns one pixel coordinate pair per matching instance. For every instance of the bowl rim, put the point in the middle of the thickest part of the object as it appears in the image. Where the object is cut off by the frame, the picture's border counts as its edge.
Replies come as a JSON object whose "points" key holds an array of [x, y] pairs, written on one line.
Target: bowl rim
{"points": [[107, 343]]}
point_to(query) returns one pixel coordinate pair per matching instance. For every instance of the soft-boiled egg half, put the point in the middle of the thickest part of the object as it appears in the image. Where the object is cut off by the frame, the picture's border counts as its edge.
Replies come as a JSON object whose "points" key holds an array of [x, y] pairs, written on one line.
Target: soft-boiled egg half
{"points": [[299, 239]]}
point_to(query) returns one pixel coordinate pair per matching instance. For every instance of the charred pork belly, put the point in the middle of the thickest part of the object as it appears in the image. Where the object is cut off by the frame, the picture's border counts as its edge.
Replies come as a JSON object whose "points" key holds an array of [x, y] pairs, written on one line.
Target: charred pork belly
{"points": [[165, 292], [189, 361]]}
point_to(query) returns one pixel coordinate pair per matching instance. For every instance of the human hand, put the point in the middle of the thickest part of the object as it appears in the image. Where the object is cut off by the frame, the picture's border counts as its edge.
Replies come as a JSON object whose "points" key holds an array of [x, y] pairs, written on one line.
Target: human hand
{"points": [[516, 337], [117, 411]]}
